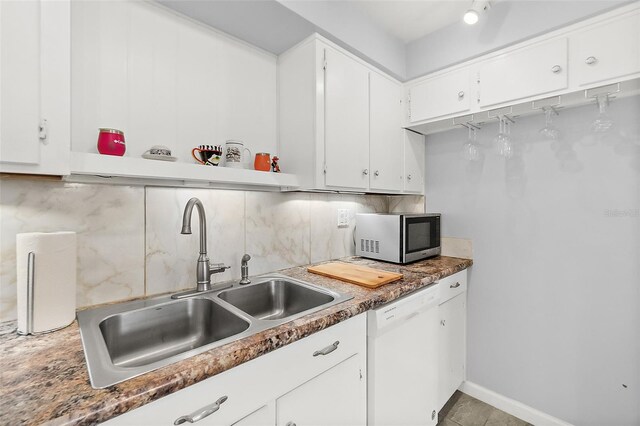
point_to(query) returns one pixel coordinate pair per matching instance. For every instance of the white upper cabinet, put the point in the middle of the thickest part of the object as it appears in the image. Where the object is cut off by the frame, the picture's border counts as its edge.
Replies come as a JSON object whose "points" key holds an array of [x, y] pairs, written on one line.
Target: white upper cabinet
{"points": [[385, 149], [606, 51], [346, 99], [340, 120], [535, 70], [414, 162], [446, 94], [34, 87]]}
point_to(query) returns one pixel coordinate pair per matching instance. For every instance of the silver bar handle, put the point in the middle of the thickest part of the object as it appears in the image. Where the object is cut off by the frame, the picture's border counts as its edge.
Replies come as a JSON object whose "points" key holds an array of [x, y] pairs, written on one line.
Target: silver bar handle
{"points": [[201, 413], [328, 349], [456, 285], [31, 274]]}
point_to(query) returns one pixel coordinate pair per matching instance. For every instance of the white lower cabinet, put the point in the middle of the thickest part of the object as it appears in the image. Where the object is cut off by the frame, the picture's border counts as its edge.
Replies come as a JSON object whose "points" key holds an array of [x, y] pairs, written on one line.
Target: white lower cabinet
{"points": [[295, 375], [335, 397], [452, 336], [263, 416]]}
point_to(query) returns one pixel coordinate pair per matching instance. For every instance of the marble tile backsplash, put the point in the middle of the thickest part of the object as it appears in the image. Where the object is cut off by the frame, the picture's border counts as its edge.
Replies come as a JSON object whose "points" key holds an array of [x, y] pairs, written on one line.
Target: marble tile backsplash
{"points": [[109, 221], [129, 241]]}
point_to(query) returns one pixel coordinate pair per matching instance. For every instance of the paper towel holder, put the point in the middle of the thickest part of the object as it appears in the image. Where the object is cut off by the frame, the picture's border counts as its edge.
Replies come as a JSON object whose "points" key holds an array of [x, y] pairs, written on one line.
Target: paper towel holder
{"points": [[31, 271]]}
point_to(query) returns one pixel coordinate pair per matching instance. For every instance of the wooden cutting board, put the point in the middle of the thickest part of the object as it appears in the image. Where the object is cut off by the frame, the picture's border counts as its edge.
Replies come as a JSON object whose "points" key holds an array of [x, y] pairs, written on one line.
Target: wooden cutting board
{"points": [[354, 274]]}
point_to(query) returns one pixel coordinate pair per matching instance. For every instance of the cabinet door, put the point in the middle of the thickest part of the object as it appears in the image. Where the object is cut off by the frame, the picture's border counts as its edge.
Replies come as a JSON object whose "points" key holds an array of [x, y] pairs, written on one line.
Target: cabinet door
{"points": [[532, 71], [20, 81], [336, 397], [263, 416], [452, 346], [385, 149], [346, 122], [607, 51], [443, 95], [414, 160]]}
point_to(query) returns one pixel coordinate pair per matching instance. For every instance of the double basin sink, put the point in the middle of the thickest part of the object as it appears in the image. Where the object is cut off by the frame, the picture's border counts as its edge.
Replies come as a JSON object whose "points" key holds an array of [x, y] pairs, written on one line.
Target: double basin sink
{"points": [[125, 340]]}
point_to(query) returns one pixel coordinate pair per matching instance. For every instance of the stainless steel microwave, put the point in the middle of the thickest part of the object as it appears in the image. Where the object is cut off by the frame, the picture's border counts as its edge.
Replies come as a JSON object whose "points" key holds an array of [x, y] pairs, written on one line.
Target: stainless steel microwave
{"points": [[397, 238]]}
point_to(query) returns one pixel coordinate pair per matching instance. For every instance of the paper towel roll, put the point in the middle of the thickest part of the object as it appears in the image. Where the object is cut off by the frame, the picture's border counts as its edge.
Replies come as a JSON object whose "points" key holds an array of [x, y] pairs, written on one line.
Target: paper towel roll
{"points": [[52, 268]]}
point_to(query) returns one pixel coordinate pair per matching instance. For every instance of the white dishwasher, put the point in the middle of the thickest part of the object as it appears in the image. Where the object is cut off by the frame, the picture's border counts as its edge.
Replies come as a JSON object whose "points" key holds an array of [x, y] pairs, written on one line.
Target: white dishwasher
{"points": [[402, 348]]}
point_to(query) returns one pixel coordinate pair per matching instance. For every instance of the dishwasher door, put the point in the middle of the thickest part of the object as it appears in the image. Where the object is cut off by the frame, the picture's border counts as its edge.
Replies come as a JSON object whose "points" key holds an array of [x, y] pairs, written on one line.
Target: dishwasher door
{"points": [[402, 348]]}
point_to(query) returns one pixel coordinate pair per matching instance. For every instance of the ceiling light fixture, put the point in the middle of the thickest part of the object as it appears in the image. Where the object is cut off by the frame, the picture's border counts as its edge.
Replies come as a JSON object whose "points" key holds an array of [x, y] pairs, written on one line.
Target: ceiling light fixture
{"points": [[472, 15]]}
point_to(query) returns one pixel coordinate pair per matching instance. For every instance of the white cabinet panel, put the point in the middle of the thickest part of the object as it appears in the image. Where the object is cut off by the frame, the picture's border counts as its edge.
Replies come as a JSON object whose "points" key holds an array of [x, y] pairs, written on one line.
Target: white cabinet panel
{"points": [[335, 397], [263, 416], [606, 51], [447, 94], [34, 86], [385, 148], [346, 121], [452, 346], [414, 162], [19, 81], [164, 80], [532, 71]]}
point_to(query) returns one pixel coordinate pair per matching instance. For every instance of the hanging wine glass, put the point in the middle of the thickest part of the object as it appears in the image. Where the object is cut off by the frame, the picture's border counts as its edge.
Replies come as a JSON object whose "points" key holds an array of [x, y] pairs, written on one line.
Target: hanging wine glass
{"points": [[502, 142], [603, 122], [549, 131], [471, 149]]}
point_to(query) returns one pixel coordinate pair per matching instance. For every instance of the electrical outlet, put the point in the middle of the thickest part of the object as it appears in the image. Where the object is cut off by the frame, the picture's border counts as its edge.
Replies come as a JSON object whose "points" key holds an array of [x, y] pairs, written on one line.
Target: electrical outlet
{"points": [[343, 218]]}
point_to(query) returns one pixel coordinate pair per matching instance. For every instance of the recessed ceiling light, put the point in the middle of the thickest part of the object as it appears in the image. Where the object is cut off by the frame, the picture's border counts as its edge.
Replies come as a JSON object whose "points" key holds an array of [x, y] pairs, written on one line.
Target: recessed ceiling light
{"points": [[472, 15]]}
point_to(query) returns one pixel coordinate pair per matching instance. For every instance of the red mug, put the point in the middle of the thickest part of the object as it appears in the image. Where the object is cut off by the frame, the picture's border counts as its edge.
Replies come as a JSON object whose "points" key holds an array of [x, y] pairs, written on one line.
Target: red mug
{"points": [[111, 142]]}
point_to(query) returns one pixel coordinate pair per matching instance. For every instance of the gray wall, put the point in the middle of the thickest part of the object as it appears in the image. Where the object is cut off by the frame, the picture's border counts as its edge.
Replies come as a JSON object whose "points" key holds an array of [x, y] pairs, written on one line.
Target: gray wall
{"points": [[347, 26], [554, 294], [508, 22]]}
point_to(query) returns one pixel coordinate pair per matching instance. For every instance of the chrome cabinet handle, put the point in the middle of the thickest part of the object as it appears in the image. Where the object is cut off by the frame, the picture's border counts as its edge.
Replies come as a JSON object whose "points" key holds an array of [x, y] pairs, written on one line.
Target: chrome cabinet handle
{"points": [[328, 349], [365, 172], [290, 424], [408, 177], [461, 94], [442, 323], [376, 173], [456, 285], [556, 69], [201, 413], [591, 60]]}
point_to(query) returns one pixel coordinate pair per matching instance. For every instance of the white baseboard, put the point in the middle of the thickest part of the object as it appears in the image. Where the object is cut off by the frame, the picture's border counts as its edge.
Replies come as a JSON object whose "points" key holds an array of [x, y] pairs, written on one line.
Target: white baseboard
{"points": [[511, 406]]}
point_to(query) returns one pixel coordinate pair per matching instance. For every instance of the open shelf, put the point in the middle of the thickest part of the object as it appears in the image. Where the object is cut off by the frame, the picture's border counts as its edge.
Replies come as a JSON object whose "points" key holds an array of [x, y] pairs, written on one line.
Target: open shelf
{"points": [[97, 167]]}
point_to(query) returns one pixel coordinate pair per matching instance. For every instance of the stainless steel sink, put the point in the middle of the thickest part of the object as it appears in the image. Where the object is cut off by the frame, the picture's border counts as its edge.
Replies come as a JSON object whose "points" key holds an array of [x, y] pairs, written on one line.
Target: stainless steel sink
{"points": [[141, 337], [276, 299], [125, 340]]}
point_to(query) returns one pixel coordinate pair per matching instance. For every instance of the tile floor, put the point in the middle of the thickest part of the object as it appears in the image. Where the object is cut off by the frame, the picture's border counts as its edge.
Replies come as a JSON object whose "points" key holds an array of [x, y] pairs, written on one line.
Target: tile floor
{"points": [[464, 410]]}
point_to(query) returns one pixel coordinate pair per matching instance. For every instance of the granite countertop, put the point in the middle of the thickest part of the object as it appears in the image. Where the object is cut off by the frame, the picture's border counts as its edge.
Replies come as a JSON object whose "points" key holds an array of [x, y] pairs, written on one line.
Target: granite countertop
{"points": [[44, 378]]}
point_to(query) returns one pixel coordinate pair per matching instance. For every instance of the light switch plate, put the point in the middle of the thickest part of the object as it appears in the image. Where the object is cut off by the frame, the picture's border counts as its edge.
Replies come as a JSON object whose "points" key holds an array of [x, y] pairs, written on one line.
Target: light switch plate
{"points": [[343, 218]]}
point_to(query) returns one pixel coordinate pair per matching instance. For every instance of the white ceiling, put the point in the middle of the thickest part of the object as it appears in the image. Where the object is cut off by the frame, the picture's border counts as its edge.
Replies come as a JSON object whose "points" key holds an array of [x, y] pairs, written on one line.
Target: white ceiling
{"points": [[409, 20]]}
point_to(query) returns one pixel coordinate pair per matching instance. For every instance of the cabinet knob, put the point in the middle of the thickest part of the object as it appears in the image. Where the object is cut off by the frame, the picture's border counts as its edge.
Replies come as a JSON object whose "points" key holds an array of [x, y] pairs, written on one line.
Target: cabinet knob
{"points": [[442, 323], [408, 177], [556, 69], [376, 173], [591, 60], [290, 424], [460, 94], [365, 172]]}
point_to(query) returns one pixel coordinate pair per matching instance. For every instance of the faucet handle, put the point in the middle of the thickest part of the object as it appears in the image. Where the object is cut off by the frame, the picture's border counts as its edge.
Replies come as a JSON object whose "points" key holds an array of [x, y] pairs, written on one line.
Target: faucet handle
{"points": [[216, 268]]}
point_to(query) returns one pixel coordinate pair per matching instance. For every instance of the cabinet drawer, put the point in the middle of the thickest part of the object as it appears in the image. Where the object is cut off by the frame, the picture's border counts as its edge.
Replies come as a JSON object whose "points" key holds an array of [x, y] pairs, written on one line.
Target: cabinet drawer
{"points": [[528, 72], [439, 96], [253, 384], [452, 285], [607, 51]]}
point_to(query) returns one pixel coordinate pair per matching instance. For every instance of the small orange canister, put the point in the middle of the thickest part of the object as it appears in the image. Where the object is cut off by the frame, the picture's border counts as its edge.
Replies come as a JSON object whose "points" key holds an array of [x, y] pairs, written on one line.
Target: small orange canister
{"points": [[262, 162]]}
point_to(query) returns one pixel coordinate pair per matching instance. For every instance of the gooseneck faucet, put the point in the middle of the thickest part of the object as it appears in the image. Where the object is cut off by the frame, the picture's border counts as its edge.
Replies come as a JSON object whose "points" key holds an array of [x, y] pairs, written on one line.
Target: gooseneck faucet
{"points": [[204, 268]]}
